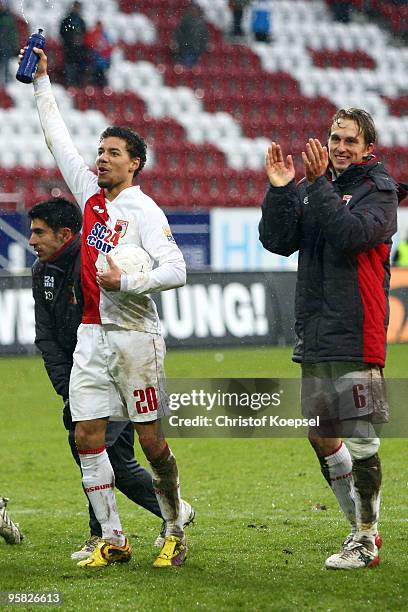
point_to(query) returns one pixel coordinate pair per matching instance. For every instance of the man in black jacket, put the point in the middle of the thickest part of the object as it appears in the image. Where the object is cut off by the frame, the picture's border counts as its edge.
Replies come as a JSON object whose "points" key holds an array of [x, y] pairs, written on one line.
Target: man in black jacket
{"points": [[72, 32], [55, 227], [340, 218]]}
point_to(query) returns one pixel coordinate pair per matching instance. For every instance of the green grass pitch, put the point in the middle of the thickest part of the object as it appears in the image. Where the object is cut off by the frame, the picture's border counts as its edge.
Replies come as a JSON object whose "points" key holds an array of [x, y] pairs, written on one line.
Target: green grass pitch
{"points": [[258, 542]]}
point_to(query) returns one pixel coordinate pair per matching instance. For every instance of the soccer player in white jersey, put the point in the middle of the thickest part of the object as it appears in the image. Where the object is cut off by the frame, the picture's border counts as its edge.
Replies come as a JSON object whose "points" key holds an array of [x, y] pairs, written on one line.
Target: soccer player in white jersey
{"points": [[118, 363]]}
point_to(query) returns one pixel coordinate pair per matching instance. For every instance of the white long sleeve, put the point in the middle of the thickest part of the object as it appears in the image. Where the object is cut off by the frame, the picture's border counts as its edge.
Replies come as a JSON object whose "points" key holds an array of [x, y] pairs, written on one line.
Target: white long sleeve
{"points": [[81, 181], [168, 276], [131, 217]]}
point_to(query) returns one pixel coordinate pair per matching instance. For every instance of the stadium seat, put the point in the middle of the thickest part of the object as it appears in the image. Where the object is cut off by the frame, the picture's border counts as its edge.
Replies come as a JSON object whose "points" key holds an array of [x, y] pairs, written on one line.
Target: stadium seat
{"points": [[219, 116]]}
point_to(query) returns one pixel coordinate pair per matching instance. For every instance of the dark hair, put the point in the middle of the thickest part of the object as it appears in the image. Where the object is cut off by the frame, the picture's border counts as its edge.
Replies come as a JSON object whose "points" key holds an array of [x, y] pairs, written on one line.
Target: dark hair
{"points": [[363, 119], [135, 144], [58, 213]]}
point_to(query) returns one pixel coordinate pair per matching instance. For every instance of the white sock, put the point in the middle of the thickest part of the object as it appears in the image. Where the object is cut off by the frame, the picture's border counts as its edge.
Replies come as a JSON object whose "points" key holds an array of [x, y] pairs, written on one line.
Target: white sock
{"points": [[339, 466], [99, 482]]}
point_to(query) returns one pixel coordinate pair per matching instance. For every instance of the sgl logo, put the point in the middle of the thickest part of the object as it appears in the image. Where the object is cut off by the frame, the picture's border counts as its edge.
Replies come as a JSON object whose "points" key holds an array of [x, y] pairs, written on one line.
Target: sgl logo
{"points": [[102, 238]]}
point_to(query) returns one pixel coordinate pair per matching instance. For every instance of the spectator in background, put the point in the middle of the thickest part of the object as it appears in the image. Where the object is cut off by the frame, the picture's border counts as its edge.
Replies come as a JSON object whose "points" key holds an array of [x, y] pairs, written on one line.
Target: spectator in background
{"points": [[72, 32], [237, 7], [8, 41], [261, 20], [191, 36], [99, 54], [341, 10]]}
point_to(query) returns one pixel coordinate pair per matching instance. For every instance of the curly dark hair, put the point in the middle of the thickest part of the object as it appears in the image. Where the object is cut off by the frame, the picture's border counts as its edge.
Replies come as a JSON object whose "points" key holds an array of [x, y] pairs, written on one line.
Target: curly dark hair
{"points": [[362, 118], [135, 144], [58, 213]]}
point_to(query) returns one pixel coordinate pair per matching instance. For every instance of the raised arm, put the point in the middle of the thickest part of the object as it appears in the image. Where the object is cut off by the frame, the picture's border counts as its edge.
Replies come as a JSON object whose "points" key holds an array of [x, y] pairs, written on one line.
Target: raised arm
{"points": [[80, 180]]}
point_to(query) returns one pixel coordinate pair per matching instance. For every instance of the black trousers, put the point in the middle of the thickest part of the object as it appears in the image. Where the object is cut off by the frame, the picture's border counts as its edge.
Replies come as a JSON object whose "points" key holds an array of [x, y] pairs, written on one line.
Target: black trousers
{"points": [[130, 477]]}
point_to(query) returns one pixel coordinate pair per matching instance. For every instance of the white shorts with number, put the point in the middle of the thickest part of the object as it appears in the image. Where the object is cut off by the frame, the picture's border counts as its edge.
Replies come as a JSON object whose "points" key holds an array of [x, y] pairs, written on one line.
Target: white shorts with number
{"points": [[118, 373], [344, 390]]}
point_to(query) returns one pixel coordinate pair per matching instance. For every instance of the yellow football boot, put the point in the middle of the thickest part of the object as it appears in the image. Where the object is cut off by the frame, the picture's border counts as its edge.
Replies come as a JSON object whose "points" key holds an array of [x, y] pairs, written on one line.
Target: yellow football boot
{"points": [[173, 553], [106, 554]]}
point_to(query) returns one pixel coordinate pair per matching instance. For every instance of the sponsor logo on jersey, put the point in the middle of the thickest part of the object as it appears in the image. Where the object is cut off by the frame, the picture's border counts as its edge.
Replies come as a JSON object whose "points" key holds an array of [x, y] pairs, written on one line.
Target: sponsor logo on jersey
{"points": [[168, 234], [98, 209], [121, 227], [306, 200], [49, 296], [102, 238], [347, 198]]}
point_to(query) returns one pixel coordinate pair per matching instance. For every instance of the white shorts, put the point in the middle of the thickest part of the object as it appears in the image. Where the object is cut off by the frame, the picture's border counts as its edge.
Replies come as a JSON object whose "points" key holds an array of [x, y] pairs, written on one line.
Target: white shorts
{"points": [[342, 390], [118, 373]]}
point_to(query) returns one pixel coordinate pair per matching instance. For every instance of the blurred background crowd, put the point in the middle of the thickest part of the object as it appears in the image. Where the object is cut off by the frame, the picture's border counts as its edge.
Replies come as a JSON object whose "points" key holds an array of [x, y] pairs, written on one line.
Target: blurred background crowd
{"points": [[208, 83]]}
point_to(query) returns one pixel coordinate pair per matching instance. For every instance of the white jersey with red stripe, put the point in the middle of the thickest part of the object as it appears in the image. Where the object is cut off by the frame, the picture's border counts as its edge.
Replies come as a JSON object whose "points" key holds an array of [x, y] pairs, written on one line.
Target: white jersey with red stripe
{"points": [[132, 217]]}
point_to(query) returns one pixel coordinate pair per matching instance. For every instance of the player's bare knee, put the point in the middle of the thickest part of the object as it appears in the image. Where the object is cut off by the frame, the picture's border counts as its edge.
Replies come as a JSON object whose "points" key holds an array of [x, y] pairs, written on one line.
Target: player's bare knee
{"points": [[323, 446], [90, 434], [82, 437]]}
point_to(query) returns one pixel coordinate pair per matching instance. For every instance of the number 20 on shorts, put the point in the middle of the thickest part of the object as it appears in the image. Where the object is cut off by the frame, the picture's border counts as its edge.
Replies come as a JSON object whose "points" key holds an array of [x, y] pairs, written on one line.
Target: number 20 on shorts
{"points": [[146, 400]]}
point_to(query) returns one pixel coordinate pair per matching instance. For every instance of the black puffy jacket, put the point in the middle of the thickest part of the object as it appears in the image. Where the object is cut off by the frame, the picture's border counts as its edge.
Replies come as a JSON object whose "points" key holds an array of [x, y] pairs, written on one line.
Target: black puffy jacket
{"points": [[343, 231], [58, 311]]}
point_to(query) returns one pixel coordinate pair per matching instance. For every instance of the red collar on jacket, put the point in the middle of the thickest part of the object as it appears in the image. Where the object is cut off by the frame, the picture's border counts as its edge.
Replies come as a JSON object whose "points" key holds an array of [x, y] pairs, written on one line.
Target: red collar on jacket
{"points": [[330, 174], [58, 253]]}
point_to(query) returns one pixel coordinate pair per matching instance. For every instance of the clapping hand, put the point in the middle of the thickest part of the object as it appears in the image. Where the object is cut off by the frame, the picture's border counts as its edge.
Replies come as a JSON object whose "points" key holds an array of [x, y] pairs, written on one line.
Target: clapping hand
{"points": [[315, 159], [279, 173]]}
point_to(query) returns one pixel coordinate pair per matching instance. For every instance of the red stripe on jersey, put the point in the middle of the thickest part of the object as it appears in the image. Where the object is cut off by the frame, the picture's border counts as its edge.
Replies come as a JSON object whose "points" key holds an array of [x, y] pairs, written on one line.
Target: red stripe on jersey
{"points": [[371, 276], [95, 215]]}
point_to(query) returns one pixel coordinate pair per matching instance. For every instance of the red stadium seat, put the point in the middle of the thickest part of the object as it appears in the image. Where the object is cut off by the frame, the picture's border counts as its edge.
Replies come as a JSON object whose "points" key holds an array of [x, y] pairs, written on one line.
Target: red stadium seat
{"points": [[5, 100], [228, 78]]}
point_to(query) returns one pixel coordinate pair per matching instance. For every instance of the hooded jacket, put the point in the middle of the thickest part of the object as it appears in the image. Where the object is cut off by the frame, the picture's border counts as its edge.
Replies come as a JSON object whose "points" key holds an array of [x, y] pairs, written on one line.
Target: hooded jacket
{"points": [[342, 229]]}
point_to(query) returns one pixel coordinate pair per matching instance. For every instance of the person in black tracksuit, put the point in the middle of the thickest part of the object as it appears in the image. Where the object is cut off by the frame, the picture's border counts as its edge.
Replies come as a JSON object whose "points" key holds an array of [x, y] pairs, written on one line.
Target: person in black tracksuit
{"points": [[55, 227], [341, 219]]}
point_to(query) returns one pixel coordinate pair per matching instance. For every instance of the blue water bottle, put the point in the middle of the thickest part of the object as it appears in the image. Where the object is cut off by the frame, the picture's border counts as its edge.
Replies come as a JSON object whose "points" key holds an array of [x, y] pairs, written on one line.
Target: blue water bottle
{"points": [[28, 66]]}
